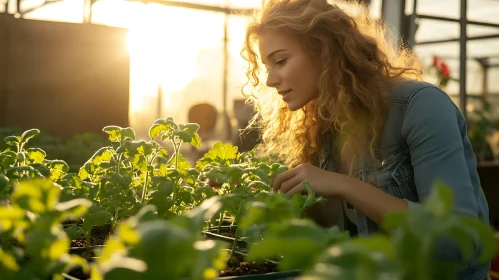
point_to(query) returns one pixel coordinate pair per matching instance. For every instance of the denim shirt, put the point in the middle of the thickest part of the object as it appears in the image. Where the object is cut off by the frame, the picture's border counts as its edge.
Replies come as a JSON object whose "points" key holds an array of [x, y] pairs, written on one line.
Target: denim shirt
{"points": [[425, 139]]}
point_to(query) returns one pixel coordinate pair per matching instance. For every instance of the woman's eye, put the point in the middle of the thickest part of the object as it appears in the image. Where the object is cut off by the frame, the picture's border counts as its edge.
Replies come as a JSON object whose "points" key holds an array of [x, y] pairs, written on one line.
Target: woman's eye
{"points": [[281, 61]]}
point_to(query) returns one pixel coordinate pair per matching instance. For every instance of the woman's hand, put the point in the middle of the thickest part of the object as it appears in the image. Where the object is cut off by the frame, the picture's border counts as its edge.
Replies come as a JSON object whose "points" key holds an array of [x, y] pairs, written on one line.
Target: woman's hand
{"points": [[371, 201], [324, 183]]}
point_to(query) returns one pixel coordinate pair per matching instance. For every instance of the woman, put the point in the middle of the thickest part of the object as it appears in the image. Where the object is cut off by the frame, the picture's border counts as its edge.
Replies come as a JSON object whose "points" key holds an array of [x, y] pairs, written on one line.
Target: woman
{"points": [[352, 116]]}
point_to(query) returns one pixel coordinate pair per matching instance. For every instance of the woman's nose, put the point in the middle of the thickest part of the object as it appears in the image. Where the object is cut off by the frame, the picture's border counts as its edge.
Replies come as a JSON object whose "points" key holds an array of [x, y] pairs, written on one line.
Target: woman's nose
{"points": [[272, 79]]}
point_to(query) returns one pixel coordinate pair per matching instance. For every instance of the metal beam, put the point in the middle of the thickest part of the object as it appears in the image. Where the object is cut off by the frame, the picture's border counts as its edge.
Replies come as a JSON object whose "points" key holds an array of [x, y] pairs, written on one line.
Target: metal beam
{"points": [[45, 3], [198, 6], [458, 20], [463, 21], [413, 25], [483, 37], [392, 12]]}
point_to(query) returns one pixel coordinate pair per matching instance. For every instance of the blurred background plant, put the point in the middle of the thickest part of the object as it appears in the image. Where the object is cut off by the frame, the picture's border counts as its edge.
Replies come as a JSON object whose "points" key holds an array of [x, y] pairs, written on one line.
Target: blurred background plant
{"points": [[482, 132], [74, 151]]}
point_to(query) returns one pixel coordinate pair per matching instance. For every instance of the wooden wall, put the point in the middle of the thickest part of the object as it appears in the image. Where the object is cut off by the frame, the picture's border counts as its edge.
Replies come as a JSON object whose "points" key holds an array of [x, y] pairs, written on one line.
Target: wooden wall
{"points": [[63, 78]]}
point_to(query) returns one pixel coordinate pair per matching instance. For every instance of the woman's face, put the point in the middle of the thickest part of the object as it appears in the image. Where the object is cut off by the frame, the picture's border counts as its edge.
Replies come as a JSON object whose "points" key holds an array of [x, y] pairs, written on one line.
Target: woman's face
{"points": [[291, 71]]}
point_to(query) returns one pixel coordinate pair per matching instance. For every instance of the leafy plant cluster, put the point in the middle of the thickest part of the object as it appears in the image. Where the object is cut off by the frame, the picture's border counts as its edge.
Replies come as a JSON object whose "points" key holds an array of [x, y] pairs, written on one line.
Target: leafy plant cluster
{"points": [[159, 206]]}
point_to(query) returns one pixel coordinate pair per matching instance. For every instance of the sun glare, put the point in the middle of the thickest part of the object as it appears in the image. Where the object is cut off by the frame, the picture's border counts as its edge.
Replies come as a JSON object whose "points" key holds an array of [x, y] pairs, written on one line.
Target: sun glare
{"points": [[162, 51], [176, 54]]}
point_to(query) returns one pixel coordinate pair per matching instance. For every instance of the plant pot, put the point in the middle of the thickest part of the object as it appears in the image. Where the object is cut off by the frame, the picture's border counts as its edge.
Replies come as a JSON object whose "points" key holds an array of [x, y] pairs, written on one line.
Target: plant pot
{"points": [[278, 275], [281, 275], [267, 265]]}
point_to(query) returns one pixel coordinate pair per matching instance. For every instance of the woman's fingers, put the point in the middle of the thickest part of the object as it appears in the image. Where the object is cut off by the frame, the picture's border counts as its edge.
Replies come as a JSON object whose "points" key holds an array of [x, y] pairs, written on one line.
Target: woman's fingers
{"points": [[296, 189], [290, 184], [281, 178]]}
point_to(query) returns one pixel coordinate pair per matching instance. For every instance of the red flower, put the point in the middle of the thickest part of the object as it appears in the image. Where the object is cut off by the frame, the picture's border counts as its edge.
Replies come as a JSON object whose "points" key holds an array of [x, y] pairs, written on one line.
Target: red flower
{"points": [[444, 69]]}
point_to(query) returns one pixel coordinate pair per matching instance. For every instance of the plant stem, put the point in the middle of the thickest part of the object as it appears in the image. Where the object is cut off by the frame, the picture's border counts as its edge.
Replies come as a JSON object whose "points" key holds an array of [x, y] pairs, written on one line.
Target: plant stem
{"points": [[220, 221], [144, 189], [87, 238], [233, 247], [118, 163], [115, 219], [176, 146]]}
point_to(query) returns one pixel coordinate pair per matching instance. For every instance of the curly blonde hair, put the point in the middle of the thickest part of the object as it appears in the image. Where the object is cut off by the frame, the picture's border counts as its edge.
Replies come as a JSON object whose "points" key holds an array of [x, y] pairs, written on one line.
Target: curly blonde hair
{"points": [[358, 64]]}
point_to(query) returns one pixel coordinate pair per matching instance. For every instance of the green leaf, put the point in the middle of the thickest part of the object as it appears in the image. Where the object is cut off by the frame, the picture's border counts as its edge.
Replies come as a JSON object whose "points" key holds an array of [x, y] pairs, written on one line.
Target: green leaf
{"points": [[101, 155], [28, 134], [193, 172], [184, 136], [98, 218], [11, 213], [393, 220], [36, 155], [235, 173], [217, 176], [139, 162], [59, 165], [12, 140], [310, 195], [351, 260], [162, 153], [299, 256], [20, 171], [158, 240], [114, 133], [308, 240], [204, 212], [219, 153], [377, 243], [73, 231], [184, 196], [161, 202], [191, 127], [420, 222], [162, 185], [183, 164], [8, 158], [127, 132], [38, 196], [161, 126], [196, 140], [8, 261], [263, 176], [74, 208], [122, 180], [87, 225], [255, 214], [58, 168], [463, 237], [440, 201], [82, 173], [146, 213], [4, 183], [122, 148], [485, 235]]}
